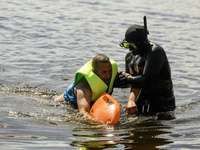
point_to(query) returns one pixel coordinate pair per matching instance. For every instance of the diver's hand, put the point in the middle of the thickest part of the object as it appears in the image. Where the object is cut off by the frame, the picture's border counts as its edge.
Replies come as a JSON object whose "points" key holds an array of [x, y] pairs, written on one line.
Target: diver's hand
{"points": [[131, 108], [121, 80]]}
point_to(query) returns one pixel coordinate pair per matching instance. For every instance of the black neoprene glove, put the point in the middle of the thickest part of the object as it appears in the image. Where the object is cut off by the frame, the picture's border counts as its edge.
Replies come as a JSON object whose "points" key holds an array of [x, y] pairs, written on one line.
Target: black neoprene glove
{"points": [[121, 80]]}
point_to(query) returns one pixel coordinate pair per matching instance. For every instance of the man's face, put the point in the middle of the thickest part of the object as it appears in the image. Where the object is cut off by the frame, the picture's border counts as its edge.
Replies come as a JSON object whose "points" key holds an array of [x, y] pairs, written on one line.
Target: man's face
{"points": [[104, 71]]}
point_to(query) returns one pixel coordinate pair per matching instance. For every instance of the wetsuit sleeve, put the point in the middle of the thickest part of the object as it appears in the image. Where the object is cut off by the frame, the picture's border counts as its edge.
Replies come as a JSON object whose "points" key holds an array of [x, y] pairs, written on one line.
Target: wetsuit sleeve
{"points": [[128, 59], [153, 65]]}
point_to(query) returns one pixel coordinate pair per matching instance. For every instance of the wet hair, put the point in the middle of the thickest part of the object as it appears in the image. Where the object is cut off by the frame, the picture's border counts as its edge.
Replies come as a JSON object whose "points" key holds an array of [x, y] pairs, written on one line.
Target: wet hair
{"points": [[100, 58]]}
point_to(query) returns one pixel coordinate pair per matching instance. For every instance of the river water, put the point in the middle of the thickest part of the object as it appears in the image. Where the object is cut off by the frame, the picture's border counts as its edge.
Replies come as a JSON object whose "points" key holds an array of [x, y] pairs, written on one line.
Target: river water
{"points": [[44, 42]]}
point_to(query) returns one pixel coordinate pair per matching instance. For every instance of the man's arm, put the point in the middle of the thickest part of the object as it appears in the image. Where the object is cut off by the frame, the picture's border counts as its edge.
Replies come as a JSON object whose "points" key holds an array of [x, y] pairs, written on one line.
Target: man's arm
{"points": [[60, 98], [131, 107], [83, 94]]}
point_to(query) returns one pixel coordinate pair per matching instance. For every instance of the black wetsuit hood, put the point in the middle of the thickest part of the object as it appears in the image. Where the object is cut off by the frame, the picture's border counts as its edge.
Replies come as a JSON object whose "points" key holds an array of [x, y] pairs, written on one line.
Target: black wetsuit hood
{"points": [[136, 34]]}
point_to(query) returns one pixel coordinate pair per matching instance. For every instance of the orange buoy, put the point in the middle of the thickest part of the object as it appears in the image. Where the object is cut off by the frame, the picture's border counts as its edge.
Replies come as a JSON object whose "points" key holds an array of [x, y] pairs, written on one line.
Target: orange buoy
{"points": [[106, 112]]}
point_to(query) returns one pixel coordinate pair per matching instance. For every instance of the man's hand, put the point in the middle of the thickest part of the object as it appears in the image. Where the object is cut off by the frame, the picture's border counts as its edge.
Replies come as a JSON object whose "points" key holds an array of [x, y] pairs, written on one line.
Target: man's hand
{"points": [[121, 80], [131, 108]]}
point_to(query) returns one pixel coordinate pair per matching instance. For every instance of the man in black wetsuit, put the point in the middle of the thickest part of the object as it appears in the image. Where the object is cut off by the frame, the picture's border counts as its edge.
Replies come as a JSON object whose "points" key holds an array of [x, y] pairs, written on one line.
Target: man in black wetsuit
{"points": [[150, 74]]}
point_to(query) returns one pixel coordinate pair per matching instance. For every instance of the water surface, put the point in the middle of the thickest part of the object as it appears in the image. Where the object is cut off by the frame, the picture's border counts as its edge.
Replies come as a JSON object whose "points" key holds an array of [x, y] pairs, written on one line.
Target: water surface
{"points": [[43, 44]]}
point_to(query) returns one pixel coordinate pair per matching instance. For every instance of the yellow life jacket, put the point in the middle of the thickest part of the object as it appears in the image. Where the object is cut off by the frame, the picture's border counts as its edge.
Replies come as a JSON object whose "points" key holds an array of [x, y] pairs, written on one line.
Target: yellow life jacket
{"points": [[97, 85]]}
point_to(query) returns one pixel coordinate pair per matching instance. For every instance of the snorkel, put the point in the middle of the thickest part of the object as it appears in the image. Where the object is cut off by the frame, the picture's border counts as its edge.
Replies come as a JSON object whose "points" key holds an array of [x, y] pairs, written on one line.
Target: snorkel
{"points": [[143, 44], [145, 29]]}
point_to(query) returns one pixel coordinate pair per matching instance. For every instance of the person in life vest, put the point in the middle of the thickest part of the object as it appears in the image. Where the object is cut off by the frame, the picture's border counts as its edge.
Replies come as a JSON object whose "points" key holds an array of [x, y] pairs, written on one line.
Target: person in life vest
{"points": [[150, 74], [94, 78]]}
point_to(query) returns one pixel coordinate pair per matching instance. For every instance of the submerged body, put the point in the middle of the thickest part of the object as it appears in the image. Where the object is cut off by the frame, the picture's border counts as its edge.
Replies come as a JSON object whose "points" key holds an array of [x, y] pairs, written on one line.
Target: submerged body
{"points": [[94, 78], [151, 72]]}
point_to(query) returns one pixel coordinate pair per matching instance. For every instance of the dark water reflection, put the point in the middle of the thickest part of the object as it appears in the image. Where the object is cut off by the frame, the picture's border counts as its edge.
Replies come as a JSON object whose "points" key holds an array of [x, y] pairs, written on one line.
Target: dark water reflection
{"points": [[145, 134]]}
